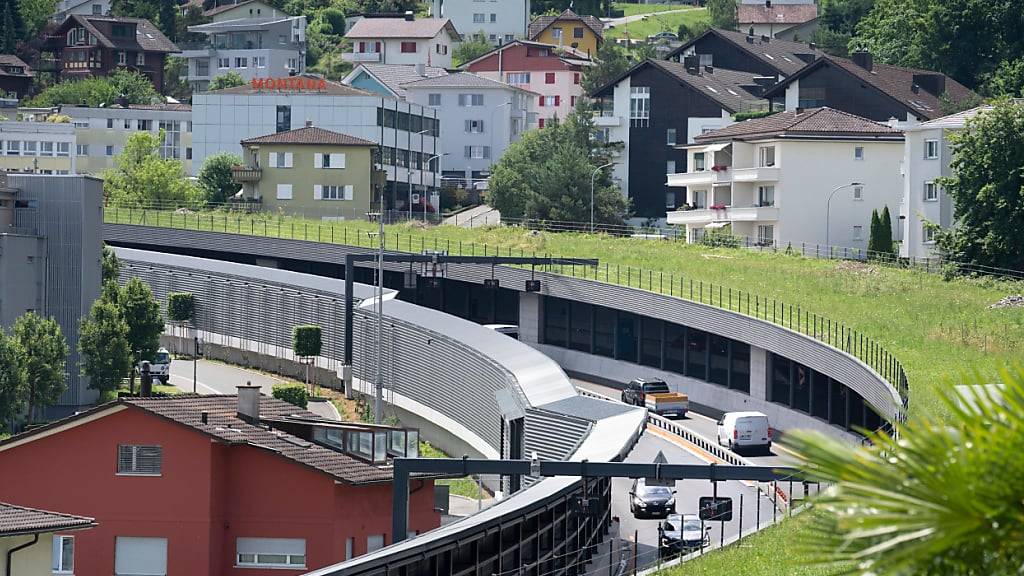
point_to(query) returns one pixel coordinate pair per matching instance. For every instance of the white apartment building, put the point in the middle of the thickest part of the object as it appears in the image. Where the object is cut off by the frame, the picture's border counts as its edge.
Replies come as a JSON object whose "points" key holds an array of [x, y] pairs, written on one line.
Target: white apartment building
{"points": [[927, 156], [407, 132], [269, 46], [38, 147], [481, 117], [406, 41], [803, 178], [500, 21], [66, 8], [101, 133]]}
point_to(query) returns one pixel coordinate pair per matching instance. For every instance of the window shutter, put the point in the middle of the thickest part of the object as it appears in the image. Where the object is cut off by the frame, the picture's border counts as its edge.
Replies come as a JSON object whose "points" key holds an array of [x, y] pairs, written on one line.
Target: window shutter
{"points": [[487, 151], [318, 160], [481, 125], [318, 192], [541, 101], [348, 192], [558, 100], [273, 159], [287, 159], [469, 126], [469, 151], [338, 160]]}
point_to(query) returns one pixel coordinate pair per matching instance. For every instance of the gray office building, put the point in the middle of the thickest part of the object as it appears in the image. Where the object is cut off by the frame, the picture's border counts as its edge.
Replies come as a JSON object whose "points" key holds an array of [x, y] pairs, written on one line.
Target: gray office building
{"points": [[50, 245]]}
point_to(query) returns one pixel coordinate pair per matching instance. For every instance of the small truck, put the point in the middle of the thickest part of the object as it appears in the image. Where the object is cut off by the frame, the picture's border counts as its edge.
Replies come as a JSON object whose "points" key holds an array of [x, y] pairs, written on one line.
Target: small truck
{"points": [[656, 397]]}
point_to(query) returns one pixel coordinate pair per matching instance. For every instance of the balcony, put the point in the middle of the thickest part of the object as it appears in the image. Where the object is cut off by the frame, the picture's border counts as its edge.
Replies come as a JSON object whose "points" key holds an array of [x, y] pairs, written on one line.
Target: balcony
{"points": [[242, 174], [361, 56], [703, 178], [607, 121], [763, 174], [726, 214]]}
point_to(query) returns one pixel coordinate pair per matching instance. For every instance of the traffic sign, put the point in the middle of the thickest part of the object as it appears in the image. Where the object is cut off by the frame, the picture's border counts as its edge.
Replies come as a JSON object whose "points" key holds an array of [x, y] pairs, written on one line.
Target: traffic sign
{"points": [[660, 459], [719, 509]]}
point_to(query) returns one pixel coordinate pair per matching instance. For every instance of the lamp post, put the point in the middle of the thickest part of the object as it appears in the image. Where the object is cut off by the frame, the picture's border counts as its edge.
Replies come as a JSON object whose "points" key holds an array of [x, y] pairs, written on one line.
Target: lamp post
{"points": [[197, 351], [828, 208], [408, 169], [429, 160], [502, 105], [592, 177]]}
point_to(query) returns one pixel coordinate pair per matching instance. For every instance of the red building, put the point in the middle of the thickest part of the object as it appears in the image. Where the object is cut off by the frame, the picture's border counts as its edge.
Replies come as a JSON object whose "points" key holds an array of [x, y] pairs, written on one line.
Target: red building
{"points": [[216, 485], [99, 45]]}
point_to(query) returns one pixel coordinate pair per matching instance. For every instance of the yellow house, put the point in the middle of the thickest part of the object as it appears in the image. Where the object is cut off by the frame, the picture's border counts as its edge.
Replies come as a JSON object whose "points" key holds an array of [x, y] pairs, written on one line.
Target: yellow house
{"points": [[584, 33], [38, 542]]}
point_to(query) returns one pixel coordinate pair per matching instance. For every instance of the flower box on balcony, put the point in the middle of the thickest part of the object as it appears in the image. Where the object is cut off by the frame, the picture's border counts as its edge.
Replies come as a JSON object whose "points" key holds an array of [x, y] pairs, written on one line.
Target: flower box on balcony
{"points": [[719, 168], [718, 206]]}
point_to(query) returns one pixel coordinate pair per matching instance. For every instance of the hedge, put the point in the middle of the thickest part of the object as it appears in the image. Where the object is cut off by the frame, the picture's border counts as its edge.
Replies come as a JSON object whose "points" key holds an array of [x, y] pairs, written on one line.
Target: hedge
{"points": [[292, 394]]}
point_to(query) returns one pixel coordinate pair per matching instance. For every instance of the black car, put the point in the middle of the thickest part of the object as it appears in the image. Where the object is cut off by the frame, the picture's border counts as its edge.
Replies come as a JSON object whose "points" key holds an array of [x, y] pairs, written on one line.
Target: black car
{"points": [[682, 534], [651, 501]]}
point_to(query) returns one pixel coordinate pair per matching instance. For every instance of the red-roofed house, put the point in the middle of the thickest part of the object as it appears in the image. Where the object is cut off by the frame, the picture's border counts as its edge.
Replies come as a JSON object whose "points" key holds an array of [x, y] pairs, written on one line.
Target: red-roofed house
{"points": [[212, 485], [407, 41], [774, 18]]}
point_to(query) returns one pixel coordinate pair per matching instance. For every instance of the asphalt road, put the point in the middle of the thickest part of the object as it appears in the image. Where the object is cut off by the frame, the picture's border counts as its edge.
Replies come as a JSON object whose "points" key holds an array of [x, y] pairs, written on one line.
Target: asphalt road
{"points": [[217, 378]]}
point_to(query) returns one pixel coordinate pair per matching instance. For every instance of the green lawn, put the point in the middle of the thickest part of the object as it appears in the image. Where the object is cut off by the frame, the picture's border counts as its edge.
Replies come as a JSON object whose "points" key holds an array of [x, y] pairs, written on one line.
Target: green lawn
{"points": [[634, 9], [465, 487], [655, 23]]}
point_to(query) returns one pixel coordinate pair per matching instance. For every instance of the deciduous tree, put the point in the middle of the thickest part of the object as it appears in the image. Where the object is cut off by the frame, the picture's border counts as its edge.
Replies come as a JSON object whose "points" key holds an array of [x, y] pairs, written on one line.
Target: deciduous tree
{"points": [[141, 312], [215, 177], [111, 265], [44, 352], [228, 79], [103, 345], [723, 14], [611, 62], [471, 48], [141, 176], [98, 91], [13, 377]]}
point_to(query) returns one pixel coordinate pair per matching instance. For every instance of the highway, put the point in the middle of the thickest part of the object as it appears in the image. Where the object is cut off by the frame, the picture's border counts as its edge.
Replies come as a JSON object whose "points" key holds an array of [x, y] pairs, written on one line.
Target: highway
{"points": [[217, 378]]}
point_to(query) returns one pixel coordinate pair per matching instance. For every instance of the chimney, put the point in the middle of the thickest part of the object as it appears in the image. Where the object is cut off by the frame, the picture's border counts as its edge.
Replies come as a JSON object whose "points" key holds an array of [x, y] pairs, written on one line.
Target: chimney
{"points": [[915, 88], [249, 403], [933, 83], [812, 45], [765, 39], [421, 69], [863, 59], [692, 64], [309, 123], [709, 69], [409, 16]]}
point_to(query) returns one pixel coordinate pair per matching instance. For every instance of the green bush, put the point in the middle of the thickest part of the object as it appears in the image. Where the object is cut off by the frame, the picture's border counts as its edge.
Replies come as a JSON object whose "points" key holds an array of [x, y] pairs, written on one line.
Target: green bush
{"points": [[181, 306], [297, 395], [741, 116], [306, 341]]}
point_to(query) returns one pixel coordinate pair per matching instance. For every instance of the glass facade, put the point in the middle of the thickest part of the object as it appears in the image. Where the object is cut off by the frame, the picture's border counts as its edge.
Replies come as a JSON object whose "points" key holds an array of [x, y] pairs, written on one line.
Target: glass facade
{"points": [[647, 341], [794, 385]]}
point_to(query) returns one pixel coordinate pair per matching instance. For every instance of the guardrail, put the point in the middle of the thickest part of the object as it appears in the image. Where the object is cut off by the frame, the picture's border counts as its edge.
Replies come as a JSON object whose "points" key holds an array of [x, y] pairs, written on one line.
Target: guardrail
{"points": [[818, 327]]}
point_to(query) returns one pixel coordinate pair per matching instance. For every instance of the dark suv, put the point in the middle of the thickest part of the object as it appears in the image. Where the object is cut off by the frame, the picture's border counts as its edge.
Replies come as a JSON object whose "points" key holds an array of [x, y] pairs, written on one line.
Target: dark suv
{"points": [[634, 393]]}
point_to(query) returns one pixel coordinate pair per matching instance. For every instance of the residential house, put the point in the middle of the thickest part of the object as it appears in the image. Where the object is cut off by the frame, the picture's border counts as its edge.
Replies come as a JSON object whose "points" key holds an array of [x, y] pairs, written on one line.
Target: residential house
{"points": [[554, 74], [102, 132], [583, 33], [308, 169], [427, 41], [15, 76], [270, 46], [877, 91], [65, 8], [658, 104], [774, 17], [761, 55], [98, 45], [500, 22], [800, 32], [37, 147], [38, 542], [214, 485], [927, 158], [388, 79], [806, 179], [223, 118], [481, 118], [51, 237], [251, 9]]}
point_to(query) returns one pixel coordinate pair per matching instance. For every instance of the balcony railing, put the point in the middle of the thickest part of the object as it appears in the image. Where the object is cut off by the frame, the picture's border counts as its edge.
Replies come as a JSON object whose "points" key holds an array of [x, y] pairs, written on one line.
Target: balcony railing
{"points": [[246, 174], [607, 121], [762, 174], [707, 177], [361, 56], [724, 214]]}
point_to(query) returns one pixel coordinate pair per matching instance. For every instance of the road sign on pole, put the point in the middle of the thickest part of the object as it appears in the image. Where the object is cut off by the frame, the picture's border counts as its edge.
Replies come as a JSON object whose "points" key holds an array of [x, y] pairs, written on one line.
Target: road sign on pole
{"points": [[658, 480]]}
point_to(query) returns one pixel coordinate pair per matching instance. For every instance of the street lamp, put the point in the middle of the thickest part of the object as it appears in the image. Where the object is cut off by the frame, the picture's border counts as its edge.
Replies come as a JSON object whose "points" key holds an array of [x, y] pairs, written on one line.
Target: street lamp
{"points": [[197, 352], [828, 208], [408, 169], [429, 160], [592, 177], [503, 104]]}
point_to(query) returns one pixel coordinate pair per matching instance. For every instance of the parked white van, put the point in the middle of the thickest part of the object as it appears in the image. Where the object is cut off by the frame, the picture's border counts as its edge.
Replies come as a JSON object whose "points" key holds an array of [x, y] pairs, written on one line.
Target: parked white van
{"points": [[745, 430]]}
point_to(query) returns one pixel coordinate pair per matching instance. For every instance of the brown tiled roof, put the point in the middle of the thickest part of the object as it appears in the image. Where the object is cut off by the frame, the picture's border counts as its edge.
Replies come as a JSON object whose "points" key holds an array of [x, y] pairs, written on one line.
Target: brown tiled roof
{"points": [[17, 520], [224, 8], [147, 36], [461, 80], [401, 28], [811, 122], [393, 76], [777, 14], [567, 54], [224, 425], [310, 135], [783, 55], [331, 88], [541, 23], [12, 60]]}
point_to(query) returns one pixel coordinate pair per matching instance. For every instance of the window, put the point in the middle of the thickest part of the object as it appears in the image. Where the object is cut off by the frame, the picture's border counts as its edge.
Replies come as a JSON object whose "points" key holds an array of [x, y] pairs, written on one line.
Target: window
{"points": [[572, 101], [931, 149], [576, 78], [549, 101], [63, 554], [127, 123], [97, 9], [30, 148], [139, 460], [670, 137], [766, 235], [478, 152], [224, 62], [699, 165], [110, 122], [144, 125], [766, 195], [280, 160], [518, 77], [479, 18], [81, 150], [140, 556], [284, 191], [928, 234], [577, 32], [858, 153], [284, 118], [171, 146], [241, 62], [408, 47], [540, 123], [433, 99], [670, 200], [640, 106], [259, 61], [13, 147], [270, 552], [471, 99], [931, 192], [556, 33], [329, 161], [109, 151], [332, 192], [63, 148], [350, 543], [293, 64], [549, 77], [494, 18], [858, 193], [140, 58], [122, 58], [670, 167], [46, 148], [858, 233], [374, 542], [766, 156], [474, 126], [509, 38]]}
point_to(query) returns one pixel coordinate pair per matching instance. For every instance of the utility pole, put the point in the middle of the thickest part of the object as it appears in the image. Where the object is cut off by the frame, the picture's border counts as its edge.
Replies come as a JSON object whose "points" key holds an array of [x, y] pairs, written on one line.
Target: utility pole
{"points": [[378, 381]]}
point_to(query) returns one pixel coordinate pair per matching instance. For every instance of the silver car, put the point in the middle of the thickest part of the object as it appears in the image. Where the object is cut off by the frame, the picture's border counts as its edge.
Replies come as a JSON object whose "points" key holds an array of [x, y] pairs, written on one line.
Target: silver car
{"points": [[682, 534]]}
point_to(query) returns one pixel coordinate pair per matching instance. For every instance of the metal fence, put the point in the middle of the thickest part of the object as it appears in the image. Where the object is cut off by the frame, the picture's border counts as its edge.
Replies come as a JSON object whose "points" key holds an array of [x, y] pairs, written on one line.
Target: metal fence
{"points": [[791, 316]]}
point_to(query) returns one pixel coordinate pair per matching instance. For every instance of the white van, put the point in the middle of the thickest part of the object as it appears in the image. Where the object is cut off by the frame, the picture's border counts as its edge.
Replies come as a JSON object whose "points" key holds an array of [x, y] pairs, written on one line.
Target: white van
{"points": [[745, 430], [506, 329]]}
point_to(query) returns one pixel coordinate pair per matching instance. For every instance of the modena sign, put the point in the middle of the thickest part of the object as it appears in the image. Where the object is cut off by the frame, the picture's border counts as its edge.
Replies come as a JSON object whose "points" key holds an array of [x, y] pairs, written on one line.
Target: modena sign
{"points": [[289, 83]]}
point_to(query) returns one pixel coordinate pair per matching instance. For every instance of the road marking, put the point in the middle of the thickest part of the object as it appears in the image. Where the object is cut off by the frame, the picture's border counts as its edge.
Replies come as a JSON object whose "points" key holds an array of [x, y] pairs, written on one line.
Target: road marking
{"points": [[188, 381], [686, 445]]}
